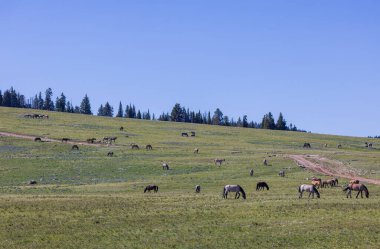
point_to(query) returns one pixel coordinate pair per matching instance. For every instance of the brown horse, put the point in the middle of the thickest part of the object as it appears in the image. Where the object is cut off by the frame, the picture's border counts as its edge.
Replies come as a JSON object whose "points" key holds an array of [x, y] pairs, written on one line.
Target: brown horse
{"points": [[357, 187], [135, 146], [37, 139], [149, 147], [75, 147], [219, 161], [331, 183], [110, 153]]}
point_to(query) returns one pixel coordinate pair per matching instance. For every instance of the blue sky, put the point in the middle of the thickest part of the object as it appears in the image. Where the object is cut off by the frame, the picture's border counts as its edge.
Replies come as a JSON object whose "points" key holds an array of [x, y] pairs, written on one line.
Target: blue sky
{"points": [[317, 62]]}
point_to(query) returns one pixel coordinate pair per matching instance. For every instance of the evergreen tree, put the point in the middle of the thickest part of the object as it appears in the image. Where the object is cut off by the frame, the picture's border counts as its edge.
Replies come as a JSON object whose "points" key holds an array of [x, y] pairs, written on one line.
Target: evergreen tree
{"points": [[1, 98], [147, 115], [281, 123], [101, 110], [177, 114], [120, 111], [7, 98], [138, 116], [226, 121], [85, 106], [48, 103], [239, 122], [268, 122], [209, 121], [217, 117], [108, 110], [245, 121], [76, 109], [60, 103], [153, 117], [40, 101]]}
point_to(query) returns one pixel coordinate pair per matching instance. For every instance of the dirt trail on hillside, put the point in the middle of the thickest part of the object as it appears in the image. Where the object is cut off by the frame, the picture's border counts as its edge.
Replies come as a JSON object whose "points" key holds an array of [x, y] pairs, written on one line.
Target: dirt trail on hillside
{"points": [[46, 139], [328, 167]]}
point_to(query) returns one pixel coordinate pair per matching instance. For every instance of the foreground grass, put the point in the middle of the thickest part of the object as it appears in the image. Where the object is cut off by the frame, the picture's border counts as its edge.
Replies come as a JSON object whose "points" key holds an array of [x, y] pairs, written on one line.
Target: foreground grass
{"points": [[84, 199]]}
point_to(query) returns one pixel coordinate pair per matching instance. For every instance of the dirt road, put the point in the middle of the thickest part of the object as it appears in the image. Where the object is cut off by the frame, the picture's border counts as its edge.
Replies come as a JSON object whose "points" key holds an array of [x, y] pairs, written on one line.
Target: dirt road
{"points": [[328, 167]]}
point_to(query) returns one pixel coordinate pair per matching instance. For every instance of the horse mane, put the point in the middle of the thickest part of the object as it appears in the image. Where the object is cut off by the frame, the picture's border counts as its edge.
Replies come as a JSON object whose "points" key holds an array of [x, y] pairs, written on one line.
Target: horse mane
{"points": [[242, 191]]}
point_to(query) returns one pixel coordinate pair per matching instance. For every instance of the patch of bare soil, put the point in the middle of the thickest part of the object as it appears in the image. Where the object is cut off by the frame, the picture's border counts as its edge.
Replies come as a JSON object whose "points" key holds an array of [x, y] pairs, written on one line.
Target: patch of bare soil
{"points": [[45, 139], [328, 167]]}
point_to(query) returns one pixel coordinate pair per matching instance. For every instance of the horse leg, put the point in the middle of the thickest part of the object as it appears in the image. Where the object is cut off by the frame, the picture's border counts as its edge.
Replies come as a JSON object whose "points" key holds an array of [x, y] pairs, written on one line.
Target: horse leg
{"points": [[300, 194], [310, 194]]}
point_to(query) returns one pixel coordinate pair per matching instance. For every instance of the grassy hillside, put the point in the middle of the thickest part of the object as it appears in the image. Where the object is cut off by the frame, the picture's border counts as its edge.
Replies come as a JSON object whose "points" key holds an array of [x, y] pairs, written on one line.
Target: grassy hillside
{"points": [[85, 199]]}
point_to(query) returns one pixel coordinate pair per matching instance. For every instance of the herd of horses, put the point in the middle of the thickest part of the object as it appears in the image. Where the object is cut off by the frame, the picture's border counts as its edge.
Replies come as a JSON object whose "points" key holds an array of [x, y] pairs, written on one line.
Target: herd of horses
{"points": [[312, 188]]}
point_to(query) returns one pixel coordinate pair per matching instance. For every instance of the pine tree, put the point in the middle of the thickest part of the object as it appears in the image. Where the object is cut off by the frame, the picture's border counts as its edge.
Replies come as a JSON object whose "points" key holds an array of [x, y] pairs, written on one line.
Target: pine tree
{"points": [[60, 103], [245, 121], [209, 121], [281, 123], [108, 110], [176, 114], [101, 110], [40, 101], [268, 122], [138, 116], [1, 99], [48, 103], [217, 117], [85, 106], [120, 111], [7, 98]]}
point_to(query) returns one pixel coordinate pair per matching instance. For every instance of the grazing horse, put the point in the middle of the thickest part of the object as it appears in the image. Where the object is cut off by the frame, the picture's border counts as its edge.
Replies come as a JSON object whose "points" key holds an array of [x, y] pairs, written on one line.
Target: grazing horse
{"points": [[332, 182], [233, 188], [219, 161], [149, 147], [32, 182], [135, 146], [316, 182], [193, 133], [121, 128], [184, 134], [308, 188], [339, 146], [251, 172], [261, 186], [65, 139], [197, 189], [151, 187], [281, 173], [37, 139], [165, 166], [75, 147], [306, 145], [110, 153], [196, 151], [265, 162], [357, 187]]}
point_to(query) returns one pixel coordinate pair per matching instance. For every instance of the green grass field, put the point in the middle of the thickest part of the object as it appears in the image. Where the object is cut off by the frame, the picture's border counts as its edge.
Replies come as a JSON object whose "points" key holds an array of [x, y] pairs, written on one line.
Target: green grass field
{"points": [[84, 199]]}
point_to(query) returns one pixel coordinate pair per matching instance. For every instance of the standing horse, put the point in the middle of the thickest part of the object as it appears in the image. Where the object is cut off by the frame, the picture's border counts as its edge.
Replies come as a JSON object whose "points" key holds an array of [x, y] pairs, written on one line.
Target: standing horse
{"points": [[233, 188], [196, 150], [357, 187], [261, 186], [316, 182], [308, 188], [265, 162], [219, 161], [251, 172], [149, 147], [281, 173], [165, 166], [151, 187], [197, 189]]}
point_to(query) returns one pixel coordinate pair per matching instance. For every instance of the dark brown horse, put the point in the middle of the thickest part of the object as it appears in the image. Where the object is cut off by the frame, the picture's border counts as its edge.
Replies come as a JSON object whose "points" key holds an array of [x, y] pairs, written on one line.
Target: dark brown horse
{"points": [[37, 139], [261, 186], [306, 145], [151, 187], [110, 153], [356, 187], [135, 147], [149, 147], [65, 139], [184, 134], [91, 140], [75, 147]]}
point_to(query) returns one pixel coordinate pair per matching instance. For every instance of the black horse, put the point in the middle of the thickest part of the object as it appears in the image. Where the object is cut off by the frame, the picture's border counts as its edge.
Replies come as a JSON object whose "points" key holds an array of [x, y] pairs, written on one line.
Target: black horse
{"points": [[151, 187], [306, 145], [261, 186]]}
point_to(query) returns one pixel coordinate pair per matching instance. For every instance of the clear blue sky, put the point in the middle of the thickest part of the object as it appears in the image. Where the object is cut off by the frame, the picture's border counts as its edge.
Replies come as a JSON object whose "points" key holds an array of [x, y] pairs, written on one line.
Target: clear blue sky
{"points": [[318, 62]]}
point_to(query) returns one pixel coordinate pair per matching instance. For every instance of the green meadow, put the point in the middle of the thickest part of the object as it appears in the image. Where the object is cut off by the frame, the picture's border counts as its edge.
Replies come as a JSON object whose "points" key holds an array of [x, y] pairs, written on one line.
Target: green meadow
{"points": [[84, 199]]}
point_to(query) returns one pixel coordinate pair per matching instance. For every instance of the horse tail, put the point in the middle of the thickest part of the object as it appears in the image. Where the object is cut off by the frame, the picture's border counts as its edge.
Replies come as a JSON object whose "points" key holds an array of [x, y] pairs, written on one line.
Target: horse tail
{"points": [[224, 192], [242, 191], [366, 191], [316, 191], [299, 189], [145, 190]]}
